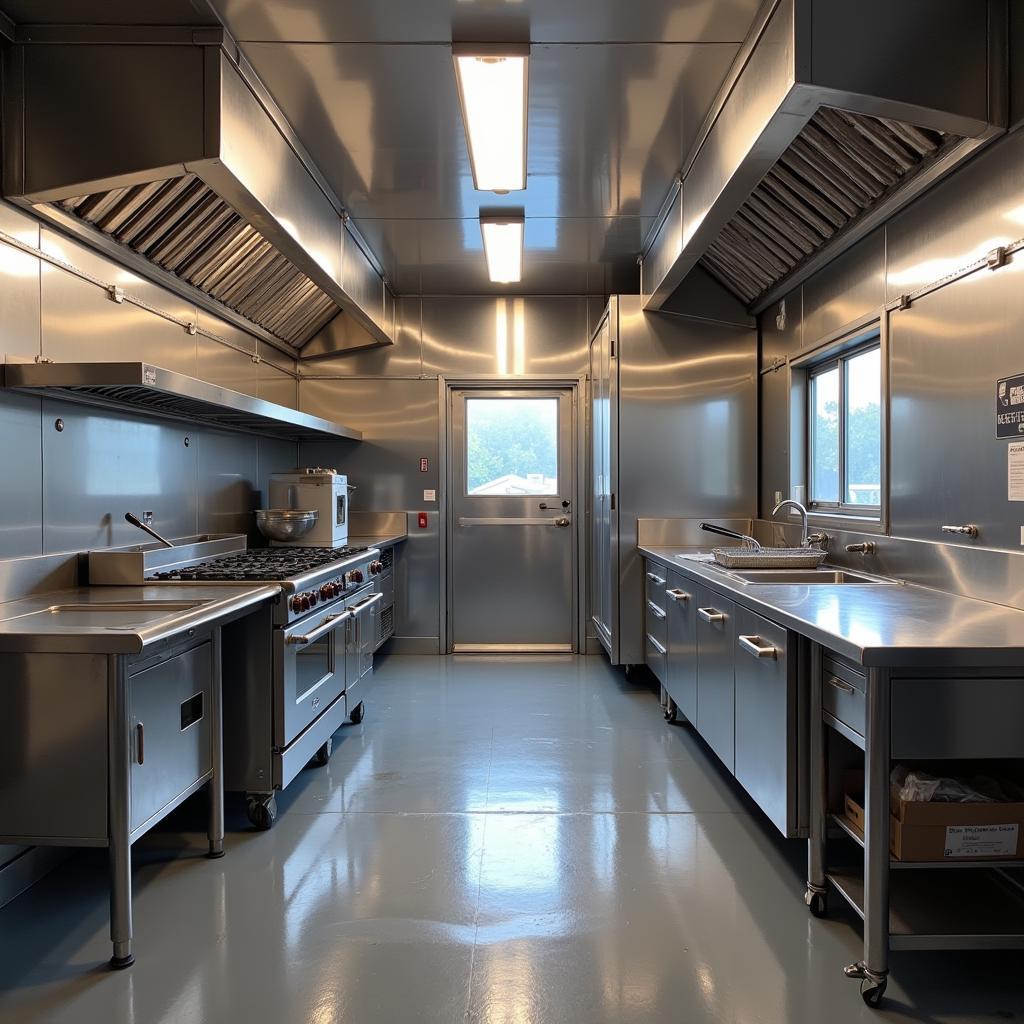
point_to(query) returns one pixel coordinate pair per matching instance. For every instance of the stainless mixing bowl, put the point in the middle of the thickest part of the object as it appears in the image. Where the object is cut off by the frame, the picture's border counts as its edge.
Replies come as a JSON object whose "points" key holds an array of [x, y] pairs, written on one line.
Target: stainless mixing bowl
{"points": [[285, 524]]}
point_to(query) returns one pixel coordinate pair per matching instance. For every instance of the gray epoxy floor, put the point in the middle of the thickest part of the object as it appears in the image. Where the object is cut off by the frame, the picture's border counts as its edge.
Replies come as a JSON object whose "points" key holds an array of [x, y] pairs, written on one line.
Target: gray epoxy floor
{"points": [[509, 841]]}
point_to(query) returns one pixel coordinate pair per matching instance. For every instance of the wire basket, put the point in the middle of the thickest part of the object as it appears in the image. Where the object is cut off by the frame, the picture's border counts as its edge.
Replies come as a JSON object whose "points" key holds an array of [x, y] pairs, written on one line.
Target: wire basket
{"points": [[769, 558]]}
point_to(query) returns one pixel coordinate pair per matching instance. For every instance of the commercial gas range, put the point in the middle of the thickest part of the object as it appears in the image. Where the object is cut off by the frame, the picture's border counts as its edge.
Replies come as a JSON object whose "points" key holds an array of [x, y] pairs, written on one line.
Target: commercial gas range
{"points": [[294, 671]]}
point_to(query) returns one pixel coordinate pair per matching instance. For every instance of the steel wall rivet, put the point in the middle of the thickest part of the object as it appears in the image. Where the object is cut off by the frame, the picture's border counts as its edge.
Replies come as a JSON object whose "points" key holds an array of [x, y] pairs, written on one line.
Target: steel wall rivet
{"points": [[58, 425]]}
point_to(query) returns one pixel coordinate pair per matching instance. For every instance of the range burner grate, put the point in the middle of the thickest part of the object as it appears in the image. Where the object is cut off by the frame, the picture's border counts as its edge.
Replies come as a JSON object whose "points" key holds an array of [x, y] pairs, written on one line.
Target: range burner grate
{"points": [[258, 565]]}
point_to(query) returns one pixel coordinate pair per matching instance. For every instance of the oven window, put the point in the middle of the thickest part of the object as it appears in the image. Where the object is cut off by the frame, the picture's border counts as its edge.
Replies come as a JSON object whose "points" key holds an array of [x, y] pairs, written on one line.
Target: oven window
{"points": [[313, 664]]}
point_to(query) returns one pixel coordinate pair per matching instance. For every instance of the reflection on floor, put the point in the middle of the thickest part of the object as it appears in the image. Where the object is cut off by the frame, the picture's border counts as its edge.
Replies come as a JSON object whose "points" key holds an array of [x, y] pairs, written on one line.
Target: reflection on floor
{"points": [[509, 841]]}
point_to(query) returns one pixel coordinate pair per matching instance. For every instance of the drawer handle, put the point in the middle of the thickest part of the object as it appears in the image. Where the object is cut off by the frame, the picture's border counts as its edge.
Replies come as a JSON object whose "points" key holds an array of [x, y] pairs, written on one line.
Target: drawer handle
{"points": [[678, 595], [711, 615], [839, 684], [140, 742], [655, 578], [654, 643], [755, 646], [657, 611]]}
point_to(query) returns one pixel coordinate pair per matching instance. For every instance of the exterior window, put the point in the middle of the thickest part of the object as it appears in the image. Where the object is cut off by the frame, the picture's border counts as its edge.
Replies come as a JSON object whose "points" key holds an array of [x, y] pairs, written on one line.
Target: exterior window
{"points": [[845, 434], [511, 446]]}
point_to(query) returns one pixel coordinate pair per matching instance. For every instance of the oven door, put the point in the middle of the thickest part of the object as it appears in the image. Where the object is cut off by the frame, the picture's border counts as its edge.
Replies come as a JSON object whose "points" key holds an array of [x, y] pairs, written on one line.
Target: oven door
{"points": [[309, 670]]}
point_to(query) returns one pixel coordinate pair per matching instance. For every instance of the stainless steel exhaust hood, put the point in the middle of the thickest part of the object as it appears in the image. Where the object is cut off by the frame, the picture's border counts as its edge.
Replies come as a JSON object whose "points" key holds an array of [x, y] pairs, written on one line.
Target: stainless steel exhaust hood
{"points": [[161, 147], [833, 116]]}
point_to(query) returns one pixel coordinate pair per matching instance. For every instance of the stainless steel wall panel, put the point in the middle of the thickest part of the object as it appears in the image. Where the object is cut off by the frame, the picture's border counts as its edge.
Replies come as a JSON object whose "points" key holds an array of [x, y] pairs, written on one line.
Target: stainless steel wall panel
{"points": [[960, 220], [1016, 65], [467, 336], [781, 327], [851, 286], [219, 364], [80, 322], [102, 465], [272, 456], [19, 288], [226, 482], [773, 439], [401, 423], [21, 469], [947, 351], [277, 385]]}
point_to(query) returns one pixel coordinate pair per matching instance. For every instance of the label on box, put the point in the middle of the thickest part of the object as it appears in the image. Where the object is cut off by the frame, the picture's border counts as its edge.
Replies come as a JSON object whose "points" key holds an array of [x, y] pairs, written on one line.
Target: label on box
{"points": [[981, 840]]}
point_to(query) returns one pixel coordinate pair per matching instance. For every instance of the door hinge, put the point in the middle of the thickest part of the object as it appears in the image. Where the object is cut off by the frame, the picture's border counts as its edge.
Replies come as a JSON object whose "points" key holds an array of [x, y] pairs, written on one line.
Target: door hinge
{"points": [[611, 504]]}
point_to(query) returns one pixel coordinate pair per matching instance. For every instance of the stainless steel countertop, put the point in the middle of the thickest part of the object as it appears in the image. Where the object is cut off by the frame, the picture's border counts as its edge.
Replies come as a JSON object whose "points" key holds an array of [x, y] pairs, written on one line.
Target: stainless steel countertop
{"points": [[901, 625], [76, 621], [385, 541]]}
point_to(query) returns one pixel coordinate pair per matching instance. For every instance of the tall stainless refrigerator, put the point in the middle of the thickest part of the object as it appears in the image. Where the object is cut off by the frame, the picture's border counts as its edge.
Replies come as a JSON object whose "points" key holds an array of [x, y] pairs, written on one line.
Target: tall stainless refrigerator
{"points": [[673, 413]]}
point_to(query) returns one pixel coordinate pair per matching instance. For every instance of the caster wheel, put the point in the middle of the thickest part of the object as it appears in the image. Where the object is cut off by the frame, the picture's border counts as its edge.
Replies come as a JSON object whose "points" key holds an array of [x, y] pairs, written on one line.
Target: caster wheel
{"points": [[816, 903], [871, 991], [323, 755], [262, 812], [671, 712], [357, 713]]}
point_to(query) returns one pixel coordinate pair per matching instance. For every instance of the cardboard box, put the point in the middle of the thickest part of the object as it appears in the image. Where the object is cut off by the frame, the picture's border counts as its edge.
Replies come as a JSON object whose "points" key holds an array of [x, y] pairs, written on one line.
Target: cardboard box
{"points": [[948, 832]]}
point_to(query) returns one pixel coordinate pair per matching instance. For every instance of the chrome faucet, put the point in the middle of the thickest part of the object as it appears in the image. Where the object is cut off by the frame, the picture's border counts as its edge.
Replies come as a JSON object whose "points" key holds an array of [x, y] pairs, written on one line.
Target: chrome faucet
{"points": [[803, 517]]}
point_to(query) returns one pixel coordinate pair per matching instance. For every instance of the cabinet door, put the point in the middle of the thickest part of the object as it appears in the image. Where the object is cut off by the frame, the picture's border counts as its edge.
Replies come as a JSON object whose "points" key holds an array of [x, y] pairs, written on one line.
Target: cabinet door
{"points": [[764, 720], [171, 714], [715, 682], [681, 666]]}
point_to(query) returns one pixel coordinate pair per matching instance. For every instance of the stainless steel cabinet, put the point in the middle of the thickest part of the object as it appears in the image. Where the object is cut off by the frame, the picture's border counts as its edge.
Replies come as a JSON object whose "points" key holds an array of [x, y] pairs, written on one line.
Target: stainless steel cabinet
{"points": [[656, 621], [765, 717], [170, 706], [681, 663], [715, 673]]}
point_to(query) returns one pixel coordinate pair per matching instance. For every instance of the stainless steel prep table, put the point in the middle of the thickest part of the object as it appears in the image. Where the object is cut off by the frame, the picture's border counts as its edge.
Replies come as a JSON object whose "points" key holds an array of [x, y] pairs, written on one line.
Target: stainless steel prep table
{"points": [[113, 697], [943, 678]]}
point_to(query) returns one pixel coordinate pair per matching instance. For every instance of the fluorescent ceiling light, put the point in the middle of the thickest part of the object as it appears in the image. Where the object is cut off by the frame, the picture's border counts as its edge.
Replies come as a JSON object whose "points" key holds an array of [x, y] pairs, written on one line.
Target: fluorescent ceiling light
{"points": [[493, 83], [503, 246]]}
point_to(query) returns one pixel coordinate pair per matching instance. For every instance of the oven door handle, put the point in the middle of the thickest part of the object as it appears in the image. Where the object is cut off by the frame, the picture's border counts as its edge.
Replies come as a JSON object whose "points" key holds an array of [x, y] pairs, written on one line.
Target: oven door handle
{"points": [[325, 627], [363, 605]]}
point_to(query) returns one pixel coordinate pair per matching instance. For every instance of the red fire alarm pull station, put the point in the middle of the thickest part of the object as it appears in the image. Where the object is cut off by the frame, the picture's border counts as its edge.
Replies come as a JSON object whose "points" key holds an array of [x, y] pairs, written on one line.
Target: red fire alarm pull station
{"points": [[423, 520], [424, 465]]}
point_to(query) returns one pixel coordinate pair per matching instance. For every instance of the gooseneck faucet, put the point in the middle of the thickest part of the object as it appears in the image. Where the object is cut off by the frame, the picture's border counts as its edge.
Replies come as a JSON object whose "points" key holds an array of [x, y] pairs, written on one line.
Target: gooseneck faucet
{"points": [[803, 517]]}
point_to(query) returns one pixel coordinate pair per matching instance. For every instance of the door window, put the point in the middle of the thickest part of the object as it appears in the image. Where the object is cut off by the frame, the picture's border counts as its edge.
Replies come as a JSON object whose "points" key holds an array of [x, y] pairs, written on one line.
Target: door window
{"points": [[511, 446]]}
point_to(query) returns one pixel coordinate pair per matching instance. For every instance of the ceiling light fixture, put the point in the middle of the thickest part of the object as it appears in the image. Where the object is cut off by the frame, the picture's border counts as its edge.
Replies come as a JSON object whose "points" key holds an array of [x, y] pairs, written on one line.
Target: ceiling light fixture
{"points": [[493, 82], [503, 246]]}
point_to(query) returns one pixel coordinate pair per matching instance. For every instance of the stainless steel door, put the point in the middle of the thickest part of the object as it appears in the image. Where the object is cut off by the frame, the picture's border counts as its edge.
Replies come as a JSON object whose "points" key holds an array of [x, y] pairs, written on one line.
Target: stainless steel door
{"points": [[765, 747], [511, 495], [681, 664], [309, 670], [604, 569], [715, 674]]}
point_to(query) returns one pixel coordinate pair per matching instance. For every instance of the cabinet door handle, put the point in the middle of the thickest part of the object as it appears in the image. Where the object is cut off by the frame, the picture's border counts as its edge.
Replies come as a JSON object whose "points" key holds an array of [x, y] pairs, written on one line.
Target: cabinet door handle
{"points": [[656, 579], [658, 613], [140, 742], [711, 615], [755, 646], [839, 684], [654, 643], [677, 595]]}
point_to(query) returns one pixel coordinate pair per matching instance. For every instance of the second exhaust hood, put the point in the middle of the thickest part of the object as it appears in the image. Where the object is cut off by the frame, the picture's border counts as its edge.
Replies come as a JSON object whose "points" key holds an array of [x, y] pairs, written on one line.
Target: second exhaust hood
{"points": [[833, 116], [162, 147]]}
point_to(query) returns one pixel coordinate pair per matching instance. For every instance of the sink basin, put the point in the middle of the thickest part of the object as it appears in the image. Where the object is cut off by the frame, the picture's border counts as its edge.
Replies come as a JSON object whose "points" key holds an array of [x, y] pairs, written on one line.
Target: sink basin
{"points": [[829, 577], [108, 615]]}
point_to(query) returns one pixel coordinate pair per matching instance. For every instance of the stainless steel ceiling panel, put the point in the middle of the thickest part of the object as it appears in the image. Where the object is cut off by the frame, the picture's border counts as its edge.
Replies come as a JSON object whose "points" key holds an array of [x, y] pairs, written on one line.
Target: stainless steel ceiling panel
{"points": [[107, 12], [608, 128], [607, 21]]}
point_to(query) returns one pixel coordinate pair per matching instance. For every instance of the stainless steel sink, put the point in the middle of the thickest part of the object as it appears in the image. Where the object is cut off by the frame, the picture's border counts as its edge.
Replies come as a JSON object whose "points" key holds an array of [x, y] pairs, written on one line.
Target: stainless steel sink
{"points": [[829, 577]]}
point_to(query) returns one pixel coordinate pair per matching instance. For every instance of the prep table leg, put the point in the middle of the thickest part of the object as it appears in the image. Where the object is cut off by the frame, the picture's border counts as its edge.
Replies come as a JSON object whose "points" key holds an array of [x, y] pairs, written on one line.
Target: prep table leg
{"points": [[816, 883], [874, 968], [215, 829], [119, 813]]}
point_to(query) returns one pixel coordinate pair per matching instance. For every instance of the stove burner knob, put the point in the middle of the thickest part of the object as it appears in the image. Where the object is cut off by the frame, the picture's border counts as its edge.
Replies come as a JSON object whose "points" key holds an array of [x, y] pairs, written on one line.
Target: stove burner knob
{"points": [[376, 568], [296, 603], [327, 591], [304, 602], [314, 599], [356, 576]]}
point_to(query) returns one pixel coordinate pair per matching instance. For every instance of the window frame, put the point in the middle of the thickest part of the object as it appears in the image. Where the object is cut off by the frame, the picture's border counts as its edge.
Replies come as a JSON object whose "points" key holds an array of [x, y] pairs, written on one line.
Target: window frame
{"points": [[840, 360]]}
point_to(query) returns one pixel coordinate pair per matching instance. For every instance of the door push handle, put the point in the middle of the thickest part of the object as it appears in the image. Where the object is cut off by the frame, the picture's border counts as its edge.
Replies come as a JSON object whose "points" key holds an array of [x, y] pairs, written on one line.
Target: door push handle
{"points": [[839, 684], [140, 742], [711, 615], [677, 595], [565, 503], [561, 521], [755, 646], [656, 579]]}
